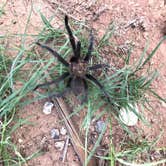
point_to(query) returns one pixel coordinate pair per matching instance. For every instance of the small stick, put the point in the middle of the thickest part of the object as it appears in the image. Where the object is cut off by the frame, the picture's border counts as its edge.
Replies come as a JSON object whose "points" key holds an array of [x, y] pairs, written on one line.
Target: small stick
{"points": [[63, 156]]}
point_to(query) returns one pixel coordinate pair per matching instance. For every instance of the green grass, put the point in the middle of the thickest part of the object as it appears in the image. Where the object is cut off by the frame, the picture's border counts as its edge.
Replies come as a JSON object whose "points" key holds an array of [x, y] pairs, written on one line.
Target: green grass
{"points": [[10, 101], [124, 86]]}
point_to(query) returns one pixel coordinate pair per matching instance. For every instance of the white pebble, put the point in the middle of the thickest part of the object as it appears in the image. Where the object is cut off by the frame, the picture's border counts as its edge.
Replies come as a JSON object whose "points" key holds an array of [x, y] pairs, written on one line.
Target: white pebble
{"points": [[63, 131], [99, 126], [59, 145], [20, 140], [55, 133], [47, 108], [127, 116], [163, 104]]}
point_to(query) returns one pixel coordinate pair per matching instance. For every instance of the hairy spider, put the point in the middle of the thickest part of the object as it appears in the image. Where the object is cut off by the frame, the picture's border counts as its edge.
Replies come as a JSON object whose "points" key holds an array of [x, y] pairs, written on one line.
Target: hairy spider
{"points": [[78, 68]]}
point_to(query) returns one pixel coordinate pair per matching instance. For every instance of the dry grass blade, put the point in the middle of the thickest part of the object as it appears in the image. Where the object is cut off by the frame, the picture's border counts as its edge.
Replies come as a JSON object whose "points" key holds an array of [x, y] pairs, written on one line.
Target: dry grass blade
{"points": [[75, 138]]}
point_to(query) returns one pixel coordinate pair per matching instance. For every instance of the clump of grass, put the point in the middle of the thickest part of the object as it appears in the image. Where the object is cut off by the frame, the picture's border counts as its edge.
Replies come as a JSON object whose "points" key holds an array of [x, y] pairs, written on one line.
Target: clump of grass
{"points": [[126, 85], [5, 64], [136, 152], [11, 97], [10, 101]]}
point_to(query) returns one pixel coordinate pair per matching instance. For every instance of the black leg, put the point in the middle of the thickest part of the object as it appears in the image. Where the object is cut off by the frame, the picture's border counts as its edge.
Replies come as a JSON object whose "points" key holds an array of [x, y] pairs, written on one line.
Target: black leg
{"points": [[71, 37], [85, 95], [62, 77], [61, 94], [76, 57], [68, 82], [56, 55], [98, 66], [91, 78], [78, 50], [90, 48]]}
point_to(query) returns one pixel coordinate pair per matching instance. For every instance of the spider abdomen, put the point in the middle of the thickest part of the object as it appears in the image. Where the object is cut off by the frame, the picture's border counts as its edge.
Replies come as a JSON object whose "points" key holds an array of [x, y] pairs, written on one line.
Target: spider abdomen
{"points": [[77, 85]]}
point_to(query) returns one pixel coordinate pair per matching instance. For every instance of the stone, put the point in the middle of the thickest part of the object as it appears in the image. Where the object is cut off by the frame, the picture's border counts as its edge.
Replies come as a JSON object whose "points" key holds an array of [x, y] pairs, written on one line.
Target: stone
{"points": [[47, 108], [99, 126], [55, 133], [63, 131], [128, 116], [59, 145]]}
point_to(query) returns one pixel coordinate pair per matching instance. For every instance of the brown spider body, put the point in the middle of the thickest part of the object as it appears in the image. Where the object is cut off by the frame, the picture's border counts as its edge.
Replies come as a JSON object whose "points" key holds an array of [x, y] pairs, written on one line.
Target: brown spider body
{"points": [[77, 85], [78, 69]]}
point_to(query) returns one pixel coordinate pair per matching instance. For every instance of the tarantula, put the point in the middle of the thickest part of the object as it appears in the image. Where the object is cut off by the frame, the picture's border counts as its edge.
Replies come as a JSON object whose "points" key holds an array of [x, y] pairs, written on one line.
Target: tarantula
{"points": [[78, 68]]}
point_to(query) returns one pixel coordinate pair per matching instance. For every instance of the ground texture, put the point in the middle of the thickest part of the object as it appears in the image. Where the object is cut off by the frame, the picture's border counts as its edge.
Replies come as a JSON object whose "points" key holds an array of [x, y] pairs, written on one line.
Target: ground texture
{"points": [[149, 18]]}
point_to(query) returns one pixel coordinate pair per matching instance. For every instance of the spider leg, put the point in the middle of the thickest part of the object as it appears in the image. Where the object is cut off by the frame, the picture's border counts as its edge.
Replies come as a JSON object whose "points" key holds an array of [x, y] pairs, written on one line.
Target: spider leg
{"points": [[91, 78], [85, 95], [78, 50], [61, 94], [59, 79], [88, 55], [71, 37], [76, 57], [98, 66], [68, 82], [56, 55]]}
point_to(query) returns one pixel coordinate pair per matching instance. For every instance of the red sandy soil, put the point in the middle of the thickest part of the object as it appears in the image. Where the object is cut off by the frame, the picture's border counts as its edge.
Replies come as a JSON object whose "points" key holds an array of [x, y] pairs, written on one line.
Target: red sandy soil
{"points": [[97, 14]]}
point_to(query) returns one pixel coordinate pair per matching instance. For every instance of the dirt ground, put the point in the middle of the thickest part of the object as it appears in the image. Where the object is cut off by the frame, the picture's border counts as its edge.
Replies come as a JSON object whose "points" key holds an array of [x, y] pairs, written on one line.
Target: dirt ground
{"points": [[150, 21]]}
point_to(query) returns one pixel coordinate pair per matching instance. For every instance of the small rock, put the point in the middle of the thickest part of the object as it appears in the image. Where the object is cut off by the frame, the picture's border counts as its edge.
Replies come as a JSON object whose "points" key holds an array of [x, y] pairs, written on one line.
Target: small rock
{"points": [[99, 126], [59, 145], [20, 140], [63, 131], [163, 104], [128, 116], [55, 133], [47, 108]]}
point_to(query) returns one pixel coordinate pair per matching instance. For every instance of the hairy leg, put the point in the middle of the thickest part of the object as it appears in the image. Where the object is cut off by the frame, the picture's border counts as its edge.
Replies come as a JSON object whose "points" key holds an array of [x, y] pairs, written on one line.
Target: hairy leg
{"points": [[71, 37], [85, 95], [56, 55], [78, 50], [98, 66], [90, 48], [61, 94], [59, 79], [69, 82], [94, 80], [76, 57]]}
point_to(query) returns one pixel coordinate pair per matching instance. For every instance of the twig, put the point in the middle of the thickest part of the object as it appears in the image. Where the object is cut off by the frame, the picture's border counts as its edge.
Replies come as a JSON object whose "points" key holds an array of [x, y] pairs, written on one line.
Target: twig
{"points": [[65, 149]]}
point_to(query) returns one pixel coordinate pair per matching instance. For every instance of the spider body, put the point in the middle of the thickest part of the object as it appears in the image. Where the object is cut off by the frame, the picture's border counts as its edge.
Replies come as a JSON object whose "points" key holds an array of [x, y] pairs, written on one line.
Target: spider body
{"points": [[78, 68], [77, 86]]}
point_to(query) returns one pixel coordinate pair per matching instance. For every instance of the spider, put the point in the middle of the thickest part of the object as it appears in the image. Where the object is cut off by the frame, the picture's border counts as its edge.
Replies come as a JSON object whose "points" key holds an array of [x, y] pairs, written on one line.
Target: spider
{"points": [[77, 74]]}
